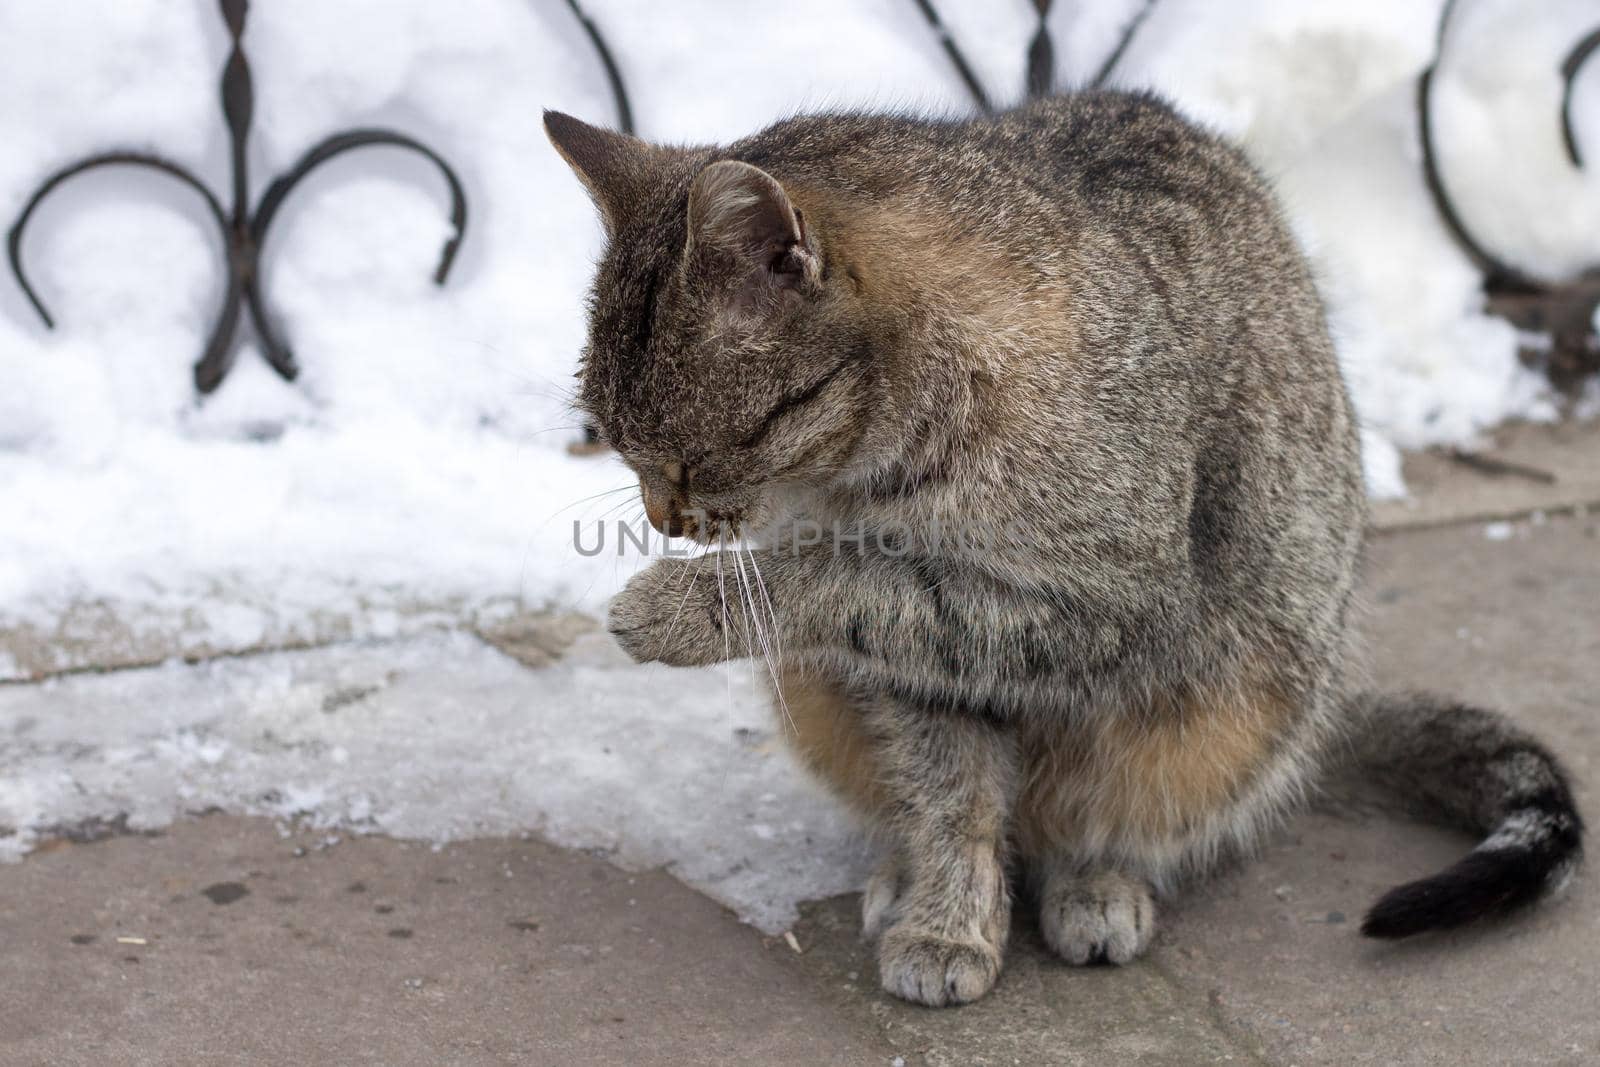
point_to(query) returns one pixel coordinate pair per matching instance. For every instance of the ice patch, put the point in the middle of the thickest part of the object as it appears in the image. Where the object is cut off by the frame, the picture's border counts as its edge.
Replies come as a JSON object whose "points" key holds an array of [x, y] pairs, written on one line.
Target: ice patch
{"points": [[440, 738]]}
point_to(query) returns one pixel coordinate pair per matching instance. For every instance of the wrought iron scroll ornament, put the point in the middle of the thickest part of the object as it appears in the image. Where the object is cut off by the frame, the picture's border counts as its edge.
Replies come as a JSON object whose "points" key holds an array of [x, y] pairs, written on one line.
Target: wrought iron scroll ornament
{"points": [[243, 231]]}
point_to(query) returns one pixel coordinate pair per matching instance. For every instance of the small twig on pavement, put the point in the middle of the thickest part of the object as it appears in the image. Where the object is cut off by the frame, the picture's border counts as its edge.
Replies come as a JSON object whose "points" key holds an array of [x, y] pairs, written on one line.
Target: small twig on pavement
{"points": [[1499, 468]]}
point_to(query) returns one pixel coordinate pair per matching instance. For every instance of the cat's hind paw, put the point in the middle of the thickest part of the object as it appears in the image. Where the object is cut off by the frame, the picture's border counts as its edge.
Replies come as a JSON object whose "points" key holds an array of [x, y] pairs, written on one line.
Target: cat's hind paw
{"points": [[1097, 917]]}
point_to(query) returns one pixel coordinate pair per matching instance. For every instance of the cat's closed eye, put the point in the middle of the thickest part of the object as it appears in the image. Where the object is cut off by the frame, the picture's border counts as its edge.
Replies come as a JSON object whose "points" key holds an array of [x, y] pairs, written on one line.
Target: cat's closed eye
{"points": [[792, 404]]}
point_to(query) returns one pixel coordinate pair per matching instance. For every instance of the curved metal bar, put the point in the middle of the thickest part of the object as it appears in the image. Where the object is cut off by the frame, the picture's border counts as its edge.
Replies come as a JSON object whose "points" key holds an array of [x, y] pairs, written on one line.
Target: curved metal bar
{"points": [[618, 91], [339, 143], [105, 159], [1569, 74], [276, 351], [1128, 33], [218, 358], [1497, 273], [957, 59]]}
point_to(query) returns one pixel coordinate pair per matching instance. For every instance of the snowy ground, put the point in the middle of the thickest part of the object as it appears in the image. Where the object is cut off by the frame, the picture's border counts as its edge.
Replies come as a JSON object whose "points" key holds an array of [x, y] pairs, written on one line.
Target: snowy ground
{"points": [[418, 466]]}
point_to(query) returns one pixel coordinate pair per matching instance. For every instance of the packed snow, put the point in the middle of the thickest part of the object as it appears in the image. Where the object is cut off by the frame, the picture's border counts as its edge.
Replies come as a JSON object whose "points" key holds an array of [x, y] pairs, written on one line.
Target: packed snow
{"points": [[418, 471]]}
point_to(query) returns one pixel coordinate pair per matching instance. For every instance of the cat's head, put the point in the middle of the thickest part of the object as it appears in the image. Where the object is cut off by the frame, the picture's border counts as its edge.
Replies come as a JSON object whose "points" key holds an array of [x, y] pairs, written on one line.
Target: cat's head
{"points": [[727, 349]]}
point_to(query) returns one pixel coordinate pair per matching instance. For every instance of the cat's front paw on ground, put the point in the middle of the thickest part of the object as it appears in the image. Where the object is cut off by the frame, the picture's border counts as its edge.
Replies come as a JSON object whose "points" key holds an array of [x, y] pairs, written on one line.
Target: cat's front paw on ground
{"points": [[937, 971], [672, 612], [1100, 917]]}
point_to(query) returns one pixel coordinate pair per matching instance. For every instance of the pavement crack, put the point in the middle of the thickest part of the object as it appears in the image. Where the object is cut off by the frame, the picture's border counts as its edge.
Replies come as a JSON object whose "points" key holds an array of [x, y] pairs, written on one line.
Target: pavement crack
{"points": [[1237, 1037]]}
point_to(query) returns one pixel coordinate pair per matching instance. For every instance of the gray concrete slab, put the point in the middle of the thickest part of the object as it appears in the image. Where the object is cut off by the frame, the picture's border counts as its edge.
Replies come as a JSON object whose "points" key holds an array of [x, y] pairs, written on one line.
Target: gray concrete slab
{"points": [[254, 948], [1261, 965], [1520, 468]]}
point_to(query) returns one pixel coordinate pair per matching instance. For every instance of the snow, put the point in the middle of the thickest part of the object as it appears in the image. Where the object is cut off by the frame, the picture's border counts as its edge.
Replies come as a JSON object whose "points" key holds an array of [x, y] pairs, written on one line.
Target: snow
{"points": [[416, 474]]}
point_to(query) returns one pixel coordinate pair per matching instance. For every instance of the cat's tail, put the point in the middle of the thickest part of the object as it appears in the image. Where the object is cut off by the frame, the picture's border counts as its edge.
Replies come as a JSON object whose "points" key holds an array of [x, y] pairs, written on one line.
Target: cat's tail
{"points": [[1476, 770]]}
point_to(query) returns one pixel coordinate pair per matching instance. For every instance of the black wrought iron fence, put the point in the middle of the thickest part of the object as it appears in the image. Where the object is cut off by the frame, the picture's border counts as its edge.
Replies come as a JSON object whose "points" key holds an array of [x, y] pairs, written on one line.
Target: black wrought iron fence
{"points": [[243, 231], [1565, 310]]}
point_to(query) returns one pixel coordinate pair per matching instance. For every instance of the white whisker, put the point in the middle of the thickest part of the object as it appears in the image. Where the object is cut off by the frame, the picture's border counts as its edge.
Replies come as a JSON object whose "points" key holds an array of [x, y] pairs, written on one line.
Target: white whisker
{"points": [[772, 613], [722, 592], [688, 587], [763, 636], [586, 499], [744, 602]]}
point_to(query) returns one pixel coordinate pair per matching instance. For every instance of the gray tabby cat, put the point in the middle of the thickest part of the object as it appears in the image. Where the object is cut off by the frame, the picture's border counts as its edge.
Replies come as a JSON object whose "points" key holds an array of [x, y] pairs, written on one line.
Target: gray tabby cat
{"points": [[1085, 323]]}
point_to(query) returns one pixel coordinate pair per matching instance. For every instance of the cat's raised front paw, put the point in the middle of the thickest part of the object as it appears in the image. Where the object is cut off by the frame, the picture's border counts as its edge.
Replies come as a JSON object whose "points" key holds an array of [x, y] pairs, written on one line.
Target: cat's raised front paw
{"points": [[673, 612]]}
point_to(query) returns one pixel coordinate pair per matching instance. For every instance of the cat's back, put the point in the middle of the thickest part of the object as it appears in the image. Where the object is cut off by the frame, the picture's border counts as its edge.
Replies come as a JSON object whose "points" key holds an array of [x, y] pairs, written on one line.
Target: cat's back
{"points": [[1088, 149], [1142, 214]]}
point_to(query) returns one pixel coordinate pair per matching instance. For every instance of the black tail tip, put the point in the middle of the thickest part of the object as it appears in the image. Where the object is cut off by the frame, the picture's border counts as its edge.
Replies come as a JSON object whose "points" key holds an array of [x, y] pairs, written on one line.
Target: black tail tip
{"points": [[1485, 883], [1406, 910]]}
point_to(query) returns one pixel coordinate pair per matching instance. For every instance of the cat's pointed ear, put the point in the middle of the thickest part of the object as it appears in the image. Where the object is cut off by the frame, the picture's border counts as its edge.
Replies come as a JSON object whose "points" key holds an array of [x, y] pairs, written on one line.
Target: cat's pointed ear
{"points": [[616, 168], [742, 215]]}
